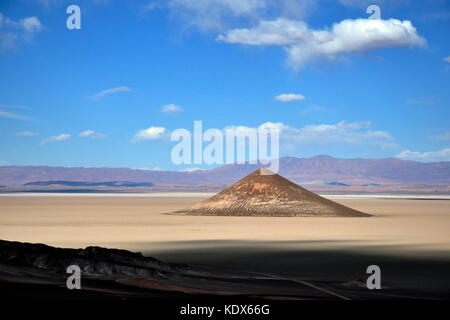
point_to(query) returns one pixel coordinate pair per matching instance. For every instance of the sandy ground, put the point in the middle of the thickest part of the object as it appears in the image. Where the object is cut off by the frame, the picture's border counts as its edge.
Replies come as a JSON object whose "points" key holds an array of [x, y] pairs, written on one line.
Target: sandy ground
{"points": [[136, 223]]}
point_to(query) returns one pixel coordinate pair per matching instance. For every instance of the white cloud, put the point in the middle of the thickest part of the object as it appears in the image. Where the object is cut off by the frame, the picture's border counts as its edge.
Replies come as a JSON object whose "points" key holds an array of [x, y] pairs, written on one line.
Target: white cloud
{"points": [[289, 97], [304, 45], [11, 31], [27, 134], [156, 169], [172, 108], [92, 134], [31, 24], [103, 93], [152, 133], [440, 155], [320, 135], [60, 137], [342, 132], [11, 115], [192, 169], [311, 137], [447, 59], [276, 32]]}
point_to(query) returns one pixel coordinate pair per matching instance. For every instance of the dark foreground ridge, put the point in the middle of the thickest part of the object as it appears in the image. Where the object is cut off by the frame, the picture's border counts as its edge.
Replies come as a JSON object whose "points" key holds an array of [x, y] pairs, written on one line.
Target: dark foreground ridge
{"points": [[263, 193], [112, 273], [38, 272]]}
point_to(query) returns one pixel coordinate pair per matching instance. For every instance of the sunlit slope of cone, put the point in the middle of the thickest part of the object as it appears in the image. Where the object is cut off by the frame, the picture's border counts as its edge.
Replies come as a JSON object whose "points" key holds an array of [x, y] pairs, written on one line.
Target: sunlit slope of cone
{"points": [[263, 193]]}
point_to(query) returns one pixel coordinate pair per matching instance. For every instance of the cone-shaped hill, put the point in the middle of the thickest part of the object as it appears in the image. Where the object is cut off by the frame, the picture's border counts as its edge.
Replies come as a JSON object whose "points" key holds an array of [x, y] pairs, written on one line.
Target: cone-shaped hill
{"points": [[263, 193]]}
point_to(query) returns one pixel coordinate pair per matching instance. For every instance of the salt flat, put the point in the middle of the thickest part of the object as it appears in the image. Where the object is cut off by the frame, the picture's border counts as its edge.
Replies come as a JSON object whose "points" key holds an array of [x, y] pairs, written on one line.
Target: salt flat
{"points": [[206, 194], [129, 222]]}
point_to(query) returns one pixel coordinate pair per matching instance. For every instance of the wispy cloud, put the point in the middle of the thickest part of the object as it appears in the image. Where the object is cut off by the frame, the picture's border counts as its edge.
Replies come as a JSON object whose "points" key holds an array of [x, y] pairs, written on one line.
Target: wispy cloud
{"points": [[4, 163], [172, 108], [443, 137], [12, 115], [359, 3], [153, 5], [8, 106], [60, 137], [92, 134], [422, 101], [447, 59], [103, 93], [313, 108], [11, 31], [289, 97], [440, 155], [31, 24], [151, 133], [193, 169], [207, 15], [27, 134]]}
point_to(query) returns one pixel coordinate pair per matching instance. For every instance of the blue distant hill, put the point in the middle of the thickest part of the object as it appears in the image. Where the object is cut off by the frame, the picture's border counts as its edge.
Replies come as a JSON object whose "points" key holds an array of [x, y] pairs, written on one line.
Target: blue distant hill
{"points": [[90, 184]]}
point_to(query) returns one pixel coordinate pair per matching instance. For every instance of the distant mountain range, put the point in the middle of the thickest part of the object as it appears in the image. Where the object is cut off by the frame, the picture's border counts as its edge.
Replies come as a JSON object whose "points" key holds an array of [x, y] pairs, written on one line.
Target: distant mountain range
{"points": [[317, 173]]}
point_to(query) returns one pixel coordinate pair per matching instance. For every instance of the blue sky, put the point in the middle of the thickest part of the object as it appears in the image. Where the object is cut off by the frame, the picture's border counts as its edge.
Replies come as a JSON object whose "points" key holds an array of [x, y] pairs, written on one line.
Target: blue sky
{"points": [[111, 93]]}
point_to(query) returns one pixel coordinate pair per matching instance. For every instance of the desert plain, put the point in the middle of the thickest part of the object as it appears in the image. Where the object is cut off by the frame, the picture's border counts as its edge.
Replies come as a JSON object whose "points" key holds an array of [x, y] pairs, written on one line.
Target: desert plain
{"points": [[407, 236]]}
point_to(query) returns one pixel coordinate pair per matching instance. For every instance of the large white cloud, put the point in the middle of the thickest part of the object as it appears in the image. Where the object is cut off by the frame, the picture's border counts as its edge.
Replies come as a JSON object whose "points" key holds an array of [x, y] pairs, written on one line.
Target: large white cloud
{"points": [[304, 44], [440, 155], [151, 133]]}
